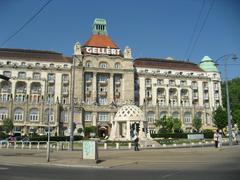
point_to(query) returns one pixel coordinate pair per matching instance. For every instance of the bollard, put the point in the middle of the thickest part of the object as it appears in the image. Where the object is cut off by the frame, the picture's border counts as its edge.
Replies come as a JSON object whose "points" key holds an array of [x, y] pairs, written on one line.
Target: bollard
{"points": [[129, 145], [30, 145], [22, 145], [15, 144], [164, 145], [7, 145], [174, 145], [0, 145], [57, 146], [117, 145], [38, 145], [105, 146]]}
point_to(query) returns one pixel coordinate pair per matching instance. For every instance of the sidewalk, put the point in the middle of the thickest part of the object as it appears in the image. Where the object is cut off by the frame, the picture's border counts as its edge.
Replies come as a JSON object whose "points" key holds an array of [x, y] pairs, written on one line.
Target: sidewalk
{"points": [[146, 158]]}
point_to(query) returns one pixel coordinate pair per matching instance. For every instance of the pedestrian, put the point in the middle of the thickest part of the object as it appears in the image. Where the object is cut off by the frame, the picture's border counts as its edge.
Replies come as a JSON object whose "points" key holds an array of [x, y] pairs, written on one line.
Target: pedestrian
{"points": [[220, 139], [215, 138], [136, 140]]}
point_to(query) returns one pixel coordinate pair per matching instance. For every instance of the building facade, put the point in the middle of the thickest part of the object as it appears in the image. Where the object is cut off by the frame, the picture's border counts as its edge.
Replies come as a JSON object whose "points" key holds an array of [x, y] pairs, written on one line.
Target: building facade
{"points": [[89, 87]]}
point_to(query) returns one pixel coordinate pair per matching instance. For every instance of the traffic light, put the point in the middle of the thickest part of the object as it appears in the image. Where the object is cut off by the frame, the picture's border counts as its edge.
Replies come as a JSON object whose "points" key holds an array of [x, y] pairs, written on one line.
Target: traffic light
{"points": [[4, 77]]}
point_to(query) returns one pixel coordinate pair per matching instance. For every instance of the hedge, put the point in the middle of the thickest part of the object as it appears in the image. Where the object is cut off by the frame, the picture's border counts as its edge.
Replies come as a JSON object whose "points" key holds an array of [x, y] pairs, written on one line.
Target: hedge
{"points": [[207, 135], [54, 138]]}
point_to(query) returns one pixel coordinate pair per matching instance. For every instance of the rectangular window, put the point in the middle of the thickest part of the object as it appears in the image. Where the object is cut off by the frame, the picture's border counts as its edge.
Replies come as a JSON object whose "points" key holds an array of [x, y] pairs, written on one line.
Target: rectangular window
{"points": [[102, 100], [103, 116], [88, 116], [36, 76]]}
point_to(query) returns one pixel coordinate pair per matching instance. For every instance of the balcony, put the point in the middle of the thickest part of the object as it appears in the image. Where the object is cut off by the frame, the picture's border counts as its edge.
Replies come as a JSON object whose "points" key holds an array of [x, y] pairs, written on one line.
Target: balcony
{"points": [[20, 91], [6, 90], [36, 91], [88, 81], [51, 81], [65, 81], [194, 87], [173, 96], [149, 96], [184, 97], [216, 97], [117, 94], [65, 93], [148, 86], [161, 96], [216, 88], [118, 83], [88, 93], [205, 88], [205, 97], [103, 82], [195, 97], [102, 93]]}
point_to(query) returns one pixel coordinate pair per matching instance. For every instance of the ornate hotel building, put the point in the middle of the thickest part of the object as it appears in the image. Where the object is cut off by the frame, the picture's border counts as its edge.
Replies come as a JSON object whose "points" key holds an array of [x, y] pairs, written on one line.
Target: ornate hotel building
{"points": [[96, 81]]}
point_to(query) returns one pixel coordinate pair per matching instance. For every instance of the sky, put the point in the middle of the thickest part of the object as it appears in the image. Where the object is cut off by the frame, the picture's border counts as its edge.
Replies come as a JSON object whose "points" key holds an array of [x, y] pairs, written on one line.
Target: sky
{"points": [[181, 29]]}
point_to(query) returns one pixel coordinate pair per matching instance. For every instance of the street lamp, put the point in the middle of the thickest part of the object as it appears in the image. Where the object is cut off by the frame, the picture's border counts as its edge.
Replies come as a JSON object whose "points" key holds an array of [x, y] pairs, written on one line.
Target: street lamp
{"points": [[225, 58]]}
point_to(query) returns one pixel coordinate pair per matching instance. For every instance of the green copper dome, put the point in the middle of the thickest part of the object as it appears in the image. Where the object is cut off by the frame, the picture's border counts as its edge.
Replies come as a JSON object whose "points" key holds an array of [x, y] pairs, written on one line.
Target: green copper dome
{"points": [[207, 64]]}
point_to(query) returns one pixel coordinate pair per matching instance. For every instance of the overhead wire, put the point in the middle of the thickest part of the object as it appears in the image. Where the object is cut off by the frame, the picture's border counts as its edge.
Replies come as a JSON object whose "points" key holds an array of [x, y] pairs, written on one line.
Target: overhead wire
{"points": [[26, 23], [201, 29], [194, 29]]}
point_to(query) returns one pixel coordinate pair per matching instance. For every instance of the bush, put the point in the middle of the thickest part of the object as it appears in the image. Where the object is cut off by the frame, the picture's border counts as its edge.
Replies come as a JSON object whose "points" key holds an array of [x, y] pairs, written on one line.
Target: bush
{"points": [[55, 138], [3, 135], [207, 135]]}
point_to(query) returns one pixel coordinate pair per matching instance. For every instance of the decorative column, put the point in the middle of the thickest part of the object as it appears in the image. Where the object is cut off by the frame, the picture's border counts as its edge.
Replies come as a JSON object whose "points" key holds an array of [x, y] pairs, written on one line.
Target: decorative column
{"points": [[111, 89], [94, 86]]}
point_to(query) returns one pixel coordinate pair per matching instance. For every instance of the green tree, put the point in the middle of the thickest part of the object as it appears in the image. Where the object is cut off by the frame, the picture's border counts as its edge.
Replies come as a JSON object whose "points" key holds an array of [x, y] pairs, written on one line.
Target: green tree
{"points": [[177, 124], [220, 118], [236, 117], [7, 125], [197, 123], [90, 129], [168, 124]]}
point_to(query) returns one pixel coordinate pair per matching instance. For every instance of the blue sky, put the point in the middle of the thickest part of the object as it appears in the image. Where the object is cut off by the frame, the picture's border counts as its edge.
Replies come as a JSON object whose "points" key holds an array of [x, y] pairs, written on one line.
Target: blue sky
{"points": [[152, 28]]}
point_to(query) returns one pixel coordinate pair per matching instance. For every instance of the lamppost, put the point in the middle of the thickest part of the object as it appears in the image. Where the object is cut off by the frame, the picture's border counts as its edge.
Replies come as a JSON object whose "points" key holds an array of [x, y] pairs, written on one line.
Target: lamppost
{"points": [[225, 58]]}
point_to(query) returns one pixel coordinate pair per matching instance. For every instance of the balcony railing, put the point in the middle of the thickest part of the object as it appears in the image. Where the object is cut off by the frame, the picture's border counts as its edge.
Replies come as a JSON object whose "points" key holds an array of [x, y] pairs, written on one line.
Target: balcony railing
{"points": [[51, 81], [88, 81], [65, 81], [36, 91], [6, 90], [20, 91], [88, 92], [102, 93], [117, 94], [118, 83], [103, 82]]}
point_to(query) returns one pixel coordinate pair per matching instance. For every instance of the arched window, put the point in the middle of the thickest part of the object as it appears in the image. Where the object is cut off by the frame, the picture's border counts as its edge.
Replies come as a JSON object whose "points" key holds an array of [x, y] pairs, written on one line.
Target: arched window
{"points": [[22, 75], [34, 114], [175, 114], [187, 118], [117, 65], [151, 116], [103, 65], [18, 114], [162, 114], [3, 113]]}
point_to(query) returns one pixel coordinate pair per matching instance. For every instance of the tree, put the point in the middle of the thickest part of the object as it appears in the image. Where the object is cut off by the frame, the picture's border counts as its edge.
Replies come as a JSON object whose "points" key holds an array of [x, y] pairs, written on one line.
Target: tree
{"points": [[90, 129], [220, 118], [197, 123], [177, 124], [236, 117], [168, 124], [7, 125]]}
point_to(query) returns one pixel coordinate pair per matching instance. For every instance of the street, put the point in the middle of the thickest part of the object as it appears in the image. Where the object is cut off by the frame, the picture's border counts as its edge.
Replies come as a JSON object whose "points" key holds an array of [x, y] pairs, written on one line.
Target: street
{"points": [[207, 163], [227, 171]]}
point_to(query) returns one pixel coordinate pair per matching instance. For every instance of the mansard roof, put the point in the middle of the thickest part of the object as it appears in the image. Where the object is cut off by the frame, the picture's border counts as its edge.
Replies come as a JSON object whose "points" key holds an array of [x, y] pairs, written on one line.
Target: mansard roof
{"points": [[97, 40], [33, 55], [166, 64]]}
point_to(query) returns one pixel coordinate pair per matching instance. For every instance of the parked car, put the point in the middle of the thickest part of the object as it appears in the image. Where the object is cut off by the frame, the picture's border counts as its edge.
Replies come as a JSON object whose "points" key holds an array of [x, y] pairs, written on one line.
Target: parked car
{"points": [[3, 141]]}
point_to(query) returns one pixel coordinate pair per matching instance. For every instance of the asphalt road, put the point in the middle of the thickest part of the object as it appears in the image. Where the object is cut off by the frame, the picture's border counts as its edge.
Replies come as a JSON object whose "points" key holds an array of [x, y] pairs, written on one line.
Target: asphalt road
{"points": [[224, 171]]}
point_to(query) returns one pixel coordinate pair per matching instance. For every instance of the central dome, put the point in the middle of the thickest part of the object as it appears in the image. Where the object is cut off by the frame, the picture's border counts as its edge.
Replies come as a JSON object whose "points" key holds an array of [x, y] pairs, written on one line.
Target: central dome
{"points": [[129, 113]]}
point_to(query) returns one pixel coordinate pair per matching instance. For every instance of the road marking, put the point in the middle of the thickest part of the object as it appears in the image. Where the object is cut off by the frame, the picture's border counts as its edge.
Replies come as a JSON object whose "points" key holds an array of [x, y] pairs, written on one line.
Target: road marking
{"points": [[3, 168]]}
